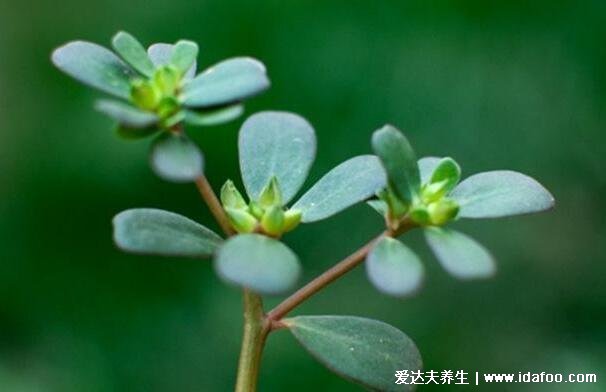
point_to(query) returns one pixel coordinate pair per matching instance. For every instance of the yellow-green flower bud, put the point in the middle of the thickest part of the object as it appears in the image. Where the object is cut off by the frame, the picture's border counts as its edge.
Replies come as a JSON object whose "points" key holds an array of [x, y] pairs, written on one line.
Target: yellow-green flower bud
{"points": [[255, 209], [144, 94], [166, 80], [167, 107], [442, 211], [419, 215], [242, 221], [231, 197], [273, 221], [271, 195], [434, 191], [292, 218]]}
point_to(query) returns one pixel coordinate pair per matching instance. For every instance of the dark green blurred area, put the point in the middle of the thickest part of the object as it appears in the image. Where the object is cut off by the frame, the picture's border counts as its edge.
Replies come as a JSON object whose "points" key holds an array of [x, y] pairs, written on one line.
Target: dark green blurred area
{"points": [[505, 84]]}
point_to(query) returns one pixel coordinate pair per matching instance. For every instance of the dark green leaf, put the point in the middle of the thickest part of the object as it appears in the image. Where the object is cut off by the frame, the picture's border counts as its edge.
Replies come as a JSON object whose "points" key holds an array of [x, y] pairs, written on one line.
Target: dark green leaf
{"points": [[393, 268], [226, 82], [125, 114], [133, 53], [259, 263], [459, 254], [176, 158], [158, 232], [183, 55], [160, 54], [365, 351], [95, 66], [276, 144], [399, 160], [350, 182], [447, 171], [500, 193], [213, 117]]}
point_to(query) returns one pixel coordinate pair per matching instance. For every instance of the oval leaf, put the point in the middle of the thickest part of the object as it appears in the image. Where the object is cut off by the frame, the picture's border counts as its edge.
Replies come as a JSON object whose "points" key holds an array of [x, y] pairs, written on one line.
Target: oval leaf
{"points": [[399, 161], [183, 55], [133, 53], [351, 182], [276, 144], [175, 158], [459, 254], [158, 232], [500, 193], [213, 117], [161, 53], [362, 350], [125, 114], [226, 82], [393, 268], [259, 263], [427, 165], [95, 66]]}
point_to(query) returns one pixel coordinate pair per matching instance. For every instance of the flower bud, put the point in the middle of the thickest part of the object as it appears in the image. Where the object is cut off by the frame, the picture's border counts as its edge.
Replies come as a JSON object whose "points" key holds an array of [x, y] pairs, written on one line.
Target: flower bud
{"points": [[241, 220], [273, 221], [167, 107], [434, 191], [144, 94], [271, 195], [292, 218], [419, 215], [255, 209], [442, 211], [231, 197], [166, 80]]}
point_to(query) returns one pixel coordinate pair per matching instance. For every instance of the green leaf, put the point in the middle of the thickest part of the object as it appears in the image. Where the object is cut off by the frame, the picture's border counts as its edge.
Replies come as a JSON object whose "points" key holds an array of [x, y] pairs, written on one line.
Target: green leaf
{"points": [[277, 144], [459, 254], [500, 193], [448, 172], [133, 53], [95, 66], [158, 232], [379, 205], [126, 115], [393, 268], [175, 158], [226, 82], [259, 263], [399, 161], [213, 117], [350, 182], [362, 350], [183, 55], [161, 53]]}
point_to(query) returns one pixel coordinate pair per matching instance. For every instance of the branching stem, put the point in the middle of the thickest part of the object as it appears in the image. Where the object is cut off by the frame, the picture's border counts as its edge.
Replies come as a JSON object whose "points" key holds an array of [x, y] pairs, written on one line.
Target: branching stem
{"points": [[258, 325]]}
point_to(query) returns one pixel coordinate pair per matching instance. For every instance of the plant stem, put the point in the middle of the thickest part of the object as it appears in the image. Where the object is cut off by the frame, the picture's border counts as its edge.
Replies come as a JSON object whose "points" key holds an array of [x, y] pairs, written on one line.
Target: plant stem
{"points": [[256, 329], [329, 276], [213, 203]]}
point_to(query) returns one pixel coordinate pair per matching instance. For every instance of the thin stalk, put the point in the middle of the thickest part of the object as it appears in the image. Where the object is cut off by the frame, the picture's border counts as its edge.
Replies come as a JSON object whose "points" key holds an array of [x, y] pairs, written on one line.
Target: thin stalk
{"points": [[329, 276], [256, 329], [213, 203]]}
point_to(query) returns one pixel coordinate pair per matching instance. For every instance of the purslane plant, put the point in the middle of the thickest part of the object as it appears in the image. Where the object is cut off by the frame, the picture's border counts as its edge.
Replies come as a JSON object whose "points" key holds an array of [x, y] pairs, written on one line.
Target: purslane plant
{"points": [[160, 93]]}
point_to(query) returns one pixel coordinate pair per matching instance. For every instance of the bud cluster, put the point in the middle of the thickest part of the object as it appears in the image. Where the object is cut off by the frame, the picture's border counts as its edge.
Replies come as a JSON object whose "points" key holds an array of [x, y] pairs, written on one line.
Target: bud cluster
{"points": [[158, 94], [266, 215], [430, 206]]}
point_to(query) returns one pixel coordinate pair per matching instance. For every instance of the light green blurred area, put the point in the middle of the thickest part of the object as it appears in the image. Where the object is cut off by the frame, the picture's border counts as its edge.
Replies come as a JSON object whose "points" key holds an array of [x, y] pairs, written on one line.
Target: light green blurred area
{"points": [[504, 84]]}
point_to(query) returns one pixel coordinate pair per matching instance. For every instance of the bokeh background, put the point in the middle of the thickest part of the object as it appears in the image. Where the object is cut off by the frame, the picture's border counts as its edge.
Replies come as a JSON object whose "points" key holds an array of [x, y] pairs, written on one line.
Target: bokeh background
{"points": [[499, 84]]}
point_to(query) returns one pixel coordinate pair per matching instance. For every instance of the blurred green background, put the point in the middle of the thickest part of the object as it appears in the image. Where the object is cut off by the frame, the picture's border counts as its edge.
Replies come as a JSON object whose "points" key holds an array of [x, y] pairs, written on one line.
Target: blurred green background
{"points": [[502, 84]]}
